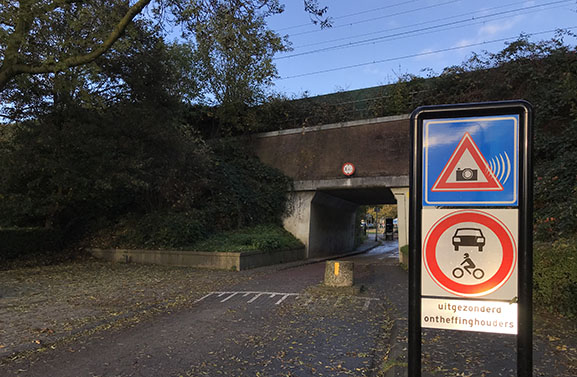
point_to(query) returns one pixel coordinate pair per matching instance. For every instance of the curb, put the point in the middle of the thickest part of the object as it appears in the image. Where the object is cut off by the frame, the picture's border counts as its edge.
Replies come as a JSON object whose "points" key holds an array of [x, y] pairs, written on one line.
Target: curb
{"points": [[397, 354], [323, 259]]}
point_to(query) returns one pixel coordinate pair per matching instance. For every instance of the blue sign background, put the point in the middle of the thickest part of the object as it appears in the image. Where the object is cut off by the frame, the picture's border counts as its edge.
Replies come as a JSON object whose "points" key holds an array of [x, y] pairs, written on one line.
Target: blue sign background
{"points": [[495, 136]]}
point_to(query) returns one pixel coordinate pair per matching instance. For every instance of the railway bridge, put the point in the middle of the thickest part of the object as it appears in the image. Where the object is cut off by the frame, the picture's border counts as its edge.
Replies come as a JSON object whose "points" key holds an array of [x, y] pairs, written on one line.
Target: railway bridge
{"points": [[324, 200]]}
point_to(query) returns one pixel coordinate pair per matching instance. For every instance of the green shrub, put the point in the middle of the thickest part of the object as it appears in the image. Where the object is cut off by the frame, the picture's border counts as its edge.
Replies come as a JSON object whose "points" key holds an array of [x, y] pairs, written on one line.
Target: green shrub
{"points": [[405, 250], [155, 231], [555, 276], [260, 237], [20, 242], [405, 253]]}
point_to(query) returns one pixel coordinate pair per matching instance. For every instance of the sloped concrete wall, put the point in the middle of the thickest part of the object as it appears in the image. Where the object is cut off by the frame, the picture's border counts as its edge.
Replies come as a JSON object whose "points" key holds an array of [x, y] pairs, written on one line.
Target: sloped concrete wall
{"points": [[325, 224], [332, 226]]}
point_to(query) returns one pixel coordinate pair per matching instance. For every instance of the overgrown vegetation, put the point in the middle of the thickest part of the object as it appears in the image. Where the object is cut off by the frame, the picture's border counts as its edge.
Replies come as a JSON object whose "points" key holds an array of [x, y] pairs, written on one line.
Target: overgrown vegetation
{"points": [[112, 148], [555, 276], [183, 231], [258, 238], [15, 242]]}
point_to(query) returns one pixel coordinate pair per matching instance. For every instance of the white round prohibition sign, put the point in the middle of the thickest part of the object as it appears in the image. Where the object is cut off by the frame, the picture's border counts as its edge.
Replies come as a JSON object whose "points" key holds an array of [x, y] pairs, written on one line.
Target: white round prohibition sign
{"points": [[493, 248], [348, 169]]}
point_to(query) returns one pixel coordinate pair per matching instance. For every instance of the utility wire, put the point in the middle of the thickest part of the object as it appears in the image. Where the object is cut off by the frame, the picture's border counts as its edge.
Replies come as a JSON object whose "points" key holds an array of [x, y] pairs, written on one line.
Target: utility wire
{"points": [[447, 28], [352, 14], [429, 28], [418, 54], [378, 18], [409, 26]]}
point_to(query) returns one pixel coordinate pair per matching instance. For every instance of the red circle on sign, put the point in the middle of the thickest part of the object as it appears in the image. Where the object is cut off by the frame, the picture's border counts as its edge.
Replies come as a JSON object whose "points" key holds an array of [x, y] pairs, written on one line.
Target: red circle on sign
{"points": [[348, 169], [469, 216]]}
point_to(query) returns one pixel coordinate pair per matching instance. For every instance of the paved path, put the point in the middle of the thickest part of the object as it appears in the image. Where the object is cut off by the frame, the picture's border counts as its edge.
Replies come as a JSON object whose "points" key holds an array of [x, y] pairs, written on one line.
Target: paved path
{"points": [[272, 325], [268, 326]]}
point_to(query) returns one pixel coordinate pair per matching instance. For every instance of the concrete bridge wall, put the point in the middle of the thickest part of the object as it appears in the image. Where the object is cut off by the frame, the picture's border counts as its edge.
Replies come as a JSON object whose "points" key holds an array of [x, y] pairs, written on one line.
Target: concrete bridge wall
{"points": [[324, 200], [377, 147]]}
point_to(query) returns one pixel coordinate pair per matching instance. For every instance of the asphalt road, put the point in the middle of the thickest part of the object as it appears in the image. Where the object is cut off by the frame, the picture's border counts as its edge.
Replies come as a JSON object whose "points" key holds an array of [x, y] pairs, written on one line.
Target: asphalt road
{"points": [[276, 325], [269, 326]]}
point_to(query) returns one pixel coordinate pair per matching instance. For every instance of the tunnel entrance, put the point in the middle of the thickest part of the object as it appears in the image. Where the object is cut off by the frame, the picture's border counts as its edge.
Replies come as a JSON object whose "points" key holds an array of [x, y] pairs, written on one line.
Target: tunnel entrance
{"points": [[326, 220]]}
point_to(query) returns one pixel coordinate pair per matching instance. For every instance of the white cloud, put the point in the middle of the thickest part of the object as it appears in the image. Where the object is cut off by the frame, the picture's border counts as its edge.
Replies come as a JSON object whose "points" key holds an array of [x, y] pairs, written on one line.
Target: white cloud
{"points": [[465, 42], [426, 54], [493, 28]]}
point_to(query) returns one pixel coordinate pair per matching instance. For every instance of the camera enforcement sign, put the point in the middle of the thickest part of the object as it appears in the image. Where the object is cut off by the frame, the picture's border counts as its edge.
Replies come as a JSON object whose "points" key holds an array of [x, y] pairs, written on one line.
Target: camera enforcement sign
{"points": [[471, 211], [471, 161]]}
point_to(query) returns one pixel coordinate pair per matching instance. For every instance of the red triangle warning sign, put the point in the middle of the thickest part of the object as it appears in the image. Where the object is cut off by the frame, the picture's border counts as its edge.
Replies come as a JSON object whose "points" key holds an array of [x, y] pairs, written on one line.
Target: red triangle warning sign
{"points": [[467, 170]]}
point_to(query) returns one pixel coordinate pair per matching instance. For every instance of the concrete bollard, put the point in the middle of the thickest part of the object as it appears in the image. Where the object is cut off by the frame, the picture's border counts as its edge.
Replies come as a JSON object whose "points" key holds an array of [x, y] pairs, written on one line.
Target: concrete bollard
{"points": [[339, 274]]}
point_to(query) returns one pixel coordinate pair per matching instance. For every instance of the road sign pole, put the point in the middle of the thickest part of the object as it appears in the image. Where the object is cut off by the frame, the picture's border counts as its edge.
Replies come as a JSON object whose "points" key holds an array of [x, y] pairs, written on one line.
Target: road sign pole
{"points": [[525, 337], [415, 204]]}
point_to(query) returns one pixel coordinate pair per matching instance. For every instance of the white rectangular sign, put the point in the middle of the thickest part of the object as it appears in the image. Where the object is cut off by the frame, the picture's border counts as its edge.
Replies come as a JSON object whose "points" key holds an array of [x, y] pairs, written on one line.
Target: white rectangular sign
{"points": [[469, 315], [470, 253]]}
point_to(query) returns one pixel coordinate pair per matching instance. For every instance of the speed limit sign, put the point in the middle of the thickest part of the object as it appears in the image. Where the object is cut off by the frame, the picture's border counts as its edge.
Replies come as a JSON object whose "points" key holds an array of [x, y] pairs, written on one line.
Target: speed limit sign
{"points": [[348, 169]]}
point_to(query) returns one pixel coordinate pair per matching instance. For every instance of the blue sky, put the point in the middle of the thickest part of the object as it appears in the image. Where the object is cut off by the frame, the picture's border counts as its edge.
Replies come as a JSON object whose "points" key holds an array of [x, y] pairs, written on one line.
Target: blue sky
{"points": [[402, 37]]}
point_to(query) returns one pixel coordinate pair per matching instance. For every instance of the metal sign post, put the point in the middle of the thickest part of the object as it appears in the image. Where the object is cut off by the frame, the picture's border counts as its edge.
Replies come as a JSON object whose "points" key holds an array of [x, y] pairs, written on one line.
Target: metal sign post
{"points": [[471, 215]]}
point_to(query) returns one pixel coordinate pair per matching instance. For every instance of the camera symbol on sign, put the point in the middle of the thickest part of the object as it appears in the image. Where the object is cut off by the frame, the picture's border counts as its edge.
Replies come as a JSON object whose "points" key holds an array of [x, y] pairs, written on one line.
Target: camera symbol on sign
{"points": [[466, 174]]}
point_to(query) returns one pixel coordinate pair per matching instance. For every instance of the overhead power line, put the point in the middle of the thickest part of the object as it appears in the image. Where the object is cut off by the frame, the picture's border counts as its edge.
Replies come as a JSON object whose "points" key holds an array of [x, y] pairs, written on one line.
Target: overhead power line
{"points": [[418, 54], [379, 18], [412, 25], [425, 29], [352, 14]]}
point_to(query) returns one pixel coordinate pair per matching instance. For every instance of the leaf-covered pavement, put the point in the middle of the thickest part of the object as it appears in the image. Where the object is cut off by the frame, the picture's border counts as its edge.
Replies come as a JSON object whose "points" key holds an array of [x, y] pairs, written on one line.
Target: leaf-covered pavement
{"points": [[43, 305], [62, 311]]}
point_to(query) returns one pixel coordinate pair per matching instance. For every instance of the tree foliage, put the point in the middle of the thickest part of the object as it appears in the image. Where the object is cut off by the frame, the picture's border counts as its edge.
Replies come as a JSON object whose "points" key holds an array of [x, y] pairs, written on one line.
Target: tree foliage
{"points": [[52, 36], [105, 117], [234, 52]]}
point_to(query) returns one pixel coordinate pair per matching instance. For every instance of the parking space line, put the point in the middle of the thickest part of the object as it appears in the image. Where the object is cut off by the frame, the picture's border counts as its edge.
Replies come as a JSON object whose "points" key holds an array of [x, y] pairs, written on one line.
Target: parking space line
{"points": [[225, 296], [231, 296], [254, 298], [285, 297], [368, 302], [203, 297]]}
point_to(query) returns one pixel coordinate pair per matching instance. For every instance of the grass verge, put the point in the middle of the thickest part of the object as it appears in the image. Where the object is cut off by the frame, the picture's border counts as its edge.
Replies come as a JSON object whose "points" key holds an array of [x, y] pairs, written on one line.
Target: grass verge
{"points": [[257, 238]]}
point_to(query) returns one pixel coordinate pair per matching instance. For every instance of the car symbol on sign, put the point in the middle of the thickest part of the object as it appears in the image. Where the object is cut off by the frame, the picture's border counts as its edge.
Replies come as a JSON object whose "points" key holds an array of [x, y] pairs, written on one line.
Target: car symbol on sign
{"points": [[468, 237]]}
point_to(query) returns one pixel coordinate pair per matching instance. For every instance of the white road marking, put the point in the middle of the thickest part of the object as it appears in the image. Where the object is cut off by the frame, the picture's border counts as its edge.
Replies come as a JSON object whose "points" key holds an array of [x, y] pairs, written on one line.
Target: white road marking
{"points": [[368, 302], [203, 297], [284, 296], [231, 296], [254, 298]]}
